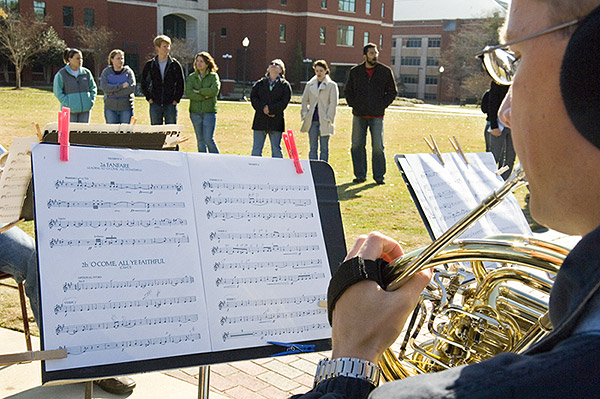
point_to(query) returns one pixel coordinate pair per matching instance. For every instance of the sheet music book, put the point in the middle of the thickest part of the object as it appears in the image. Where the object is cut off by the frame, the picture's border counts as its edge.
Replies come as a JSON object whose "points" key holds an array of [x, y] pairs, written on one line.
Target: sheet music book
{"points": [[153, 255], [444, 193], [15, 179]]}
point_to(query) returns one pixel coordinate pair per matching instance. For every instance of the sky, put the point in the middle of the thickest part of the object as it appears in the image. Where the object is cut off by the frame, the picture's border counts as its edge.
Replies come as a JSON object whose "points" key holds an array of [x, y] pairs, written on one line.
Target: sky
{"points": [[410, 10]]}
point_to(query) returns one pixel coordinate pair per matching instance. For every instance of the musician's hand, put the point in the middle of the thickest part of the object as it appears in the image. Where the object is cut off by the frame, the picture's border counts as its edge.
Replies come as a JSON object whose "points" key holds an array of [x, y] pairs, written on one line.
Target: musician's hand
{"points": [[266, 110], [496, 132], [367, 319]]}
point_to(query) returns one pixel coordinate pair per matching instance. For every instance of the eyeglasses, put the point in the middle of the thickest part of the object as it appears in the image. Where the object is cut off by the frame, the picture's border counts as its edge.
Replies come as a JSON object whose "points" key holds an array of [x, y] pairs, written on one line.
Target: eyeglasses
{"points": [[502, 64]]}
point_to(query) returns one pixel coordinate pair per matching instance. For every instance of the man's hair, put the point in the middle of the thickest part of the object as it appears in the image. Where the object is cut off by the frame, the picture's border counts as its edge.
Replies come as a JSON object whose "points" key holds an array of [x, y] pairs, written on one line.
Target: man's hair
{"points": [[322, 64], [368, 46], [158, 40], [112, 55], [208, 60]]}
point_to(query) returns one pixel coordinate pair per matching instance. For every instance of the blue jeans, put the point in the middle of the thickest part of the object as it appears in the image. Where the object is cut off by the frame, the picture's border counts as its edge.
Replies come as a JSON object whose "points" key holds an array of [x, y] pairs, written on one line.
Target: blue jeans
{"points": [[259, 142], [163, 114], [314, 136], [18, 257], [204, 126], [114, 117], [503, 151], [80, 117], [359, 141]]}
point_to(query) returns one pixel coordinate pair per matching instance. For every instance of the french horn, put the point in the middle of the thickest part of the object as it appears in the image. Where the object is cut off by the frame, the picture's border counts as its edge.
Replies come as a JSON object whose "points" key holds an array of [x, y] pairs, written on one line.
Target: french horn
{"points": [[487, 296]]}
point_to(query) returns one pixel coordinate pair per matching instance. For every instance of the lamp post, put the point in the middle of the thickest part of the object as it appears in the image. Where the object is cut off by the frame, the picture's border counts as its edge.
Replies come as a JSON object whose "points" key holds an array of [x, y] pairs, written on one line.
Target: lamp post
{"points": [[227, 57], [245, 44], [441, 71], [307, 62]]}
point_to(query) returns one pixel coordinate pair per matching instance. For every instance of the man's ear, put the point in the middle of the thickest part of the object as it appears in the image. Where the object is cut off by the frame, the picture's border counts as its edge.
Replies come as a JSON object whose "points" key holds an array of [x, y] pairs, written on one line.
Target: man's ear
{"points": [[580, 77]]}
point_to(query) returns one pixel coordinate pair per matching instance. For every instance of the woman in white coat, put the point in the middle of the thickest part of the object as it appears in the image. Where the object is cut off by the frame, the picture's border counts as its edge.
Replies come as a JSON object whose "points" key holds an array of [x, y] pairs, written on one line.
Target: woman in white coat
{"points": [[319, 102]]}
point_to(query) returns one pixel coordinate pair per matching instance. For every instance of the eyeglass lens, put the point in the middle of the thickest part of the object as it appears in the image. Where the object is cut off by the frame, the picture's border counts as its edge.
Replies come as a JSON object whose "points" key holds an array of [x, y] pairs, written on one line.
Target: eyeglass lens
{"points": [[501, 65]]}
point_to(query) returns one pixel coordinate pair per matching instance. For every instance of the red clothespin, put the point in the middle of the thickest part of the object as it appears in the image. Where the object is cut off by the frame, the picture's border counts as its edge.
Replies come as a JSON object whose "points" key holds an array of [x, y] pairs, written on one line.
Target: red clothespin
{"points": [[64, 117], [290, 144]]}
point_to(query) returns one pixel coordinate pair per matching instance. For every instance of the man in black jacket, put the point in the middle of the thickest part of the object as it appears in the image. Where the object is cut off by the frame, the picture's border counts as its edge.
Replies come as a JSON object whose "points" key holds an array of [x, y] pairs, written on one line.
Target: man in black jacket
{"points": [[163, 83], [369, 90]]}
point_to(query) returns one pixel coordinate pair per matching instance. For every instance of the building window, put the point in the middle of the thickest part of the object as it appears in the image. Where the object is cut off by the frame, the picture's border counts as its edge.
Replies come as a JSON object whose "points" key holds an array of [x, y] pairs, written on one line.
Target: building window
{"points": [[322, 35], [284, 2], [410, 61], [414, 42], [88, 17], [67, 16], [382, 10], [39, 8], [10, 5], [393, 43], [433, 61], [323, 3], [347, 5], [380, 42], [434, 42], [450, 25], [410, 79], [365, 38], [282, 33], [431, 80], [223, 32], [174, 26], [368, 7], [393, 60], [430, 96], [345, 35]]}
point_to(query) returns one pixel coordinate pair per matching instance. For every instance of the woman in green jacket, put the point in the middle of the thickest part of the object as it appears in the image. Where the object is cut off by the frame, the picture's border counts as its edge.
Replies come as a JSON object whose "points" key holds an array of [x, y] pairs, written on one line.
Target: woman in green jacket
{"points": [[74, 86], [202, 88]]}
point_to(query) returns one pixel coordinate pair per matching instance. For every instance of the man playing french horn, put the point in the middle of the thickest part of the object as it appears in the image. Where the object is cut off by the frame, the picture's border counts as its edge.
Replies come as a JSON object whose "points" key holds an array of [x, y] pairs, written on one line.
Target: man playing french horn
{"points": [[553, 109]]}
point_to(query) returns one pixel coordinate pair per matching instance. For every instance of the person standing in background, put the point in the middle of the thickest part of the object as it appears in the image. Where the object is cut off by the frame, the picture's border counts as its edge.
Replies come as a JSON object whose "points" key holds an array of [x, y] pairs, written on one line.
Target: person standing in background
{"points": [[202, 88], [163, 83], [501, 145], [270, 96], [117, 81], [74, 86], [370, 89], [319, 105]]}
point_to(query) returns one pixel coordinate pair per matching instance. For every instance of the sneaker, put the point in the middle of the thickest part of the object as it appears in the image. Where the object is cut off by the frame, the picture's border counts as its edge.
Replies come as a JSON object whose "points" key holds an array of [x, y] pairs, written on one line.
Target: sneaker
{"points": [[359, 180], [117, 385]]}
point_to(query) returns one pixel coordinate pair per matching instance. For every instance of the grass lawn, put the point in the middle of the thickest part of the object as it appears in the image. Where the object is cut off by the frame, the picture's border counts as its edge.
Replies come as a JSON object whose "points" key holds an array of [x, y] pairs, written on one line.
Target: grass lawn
{"points": [[364, 207]]}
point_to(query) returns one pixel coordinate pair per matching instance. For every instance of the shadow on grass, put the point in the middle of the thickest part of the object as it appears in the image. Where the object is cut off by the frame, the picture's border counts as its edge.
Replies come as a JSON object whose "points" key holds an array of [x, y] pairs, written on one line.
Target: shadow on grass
{"points": [[349, 191]]}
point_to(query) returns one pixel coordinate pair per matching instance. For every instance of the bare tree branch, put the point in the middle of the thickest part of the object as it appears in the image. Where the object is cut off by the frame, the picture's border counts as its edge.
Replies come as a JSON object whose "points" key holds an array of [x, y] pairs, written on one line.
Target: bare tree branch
{"points": [[96, 42]]}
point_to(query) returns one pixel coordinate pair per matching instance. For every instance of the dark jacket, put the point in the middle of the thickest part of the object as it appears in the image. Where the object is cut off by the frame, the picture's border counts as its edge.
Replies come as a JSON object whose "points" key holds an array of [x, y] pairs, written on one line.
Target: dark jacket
{"points": [[562, 365], [496, 96], [370, 96], [162, 92], [277, 100]]}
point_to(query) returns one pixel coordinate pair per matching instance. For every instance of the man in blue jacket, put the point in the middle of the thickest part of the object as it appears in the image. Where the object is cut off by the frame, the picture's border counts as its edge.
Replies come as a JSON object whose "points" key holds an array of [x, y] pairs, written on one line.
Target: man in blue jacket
{"points": [[370, 89], [163, 83], [553, 109]]}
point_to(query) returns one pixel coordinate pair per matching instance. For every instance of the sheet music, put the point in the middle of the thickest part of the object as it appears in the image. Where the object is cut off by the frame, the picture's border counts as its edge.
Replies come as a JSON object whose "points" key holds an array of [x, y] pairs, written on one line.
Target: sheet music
{"points": [[15, 179], [150, 254], [118, 256], [263, 251], [448, 192]]}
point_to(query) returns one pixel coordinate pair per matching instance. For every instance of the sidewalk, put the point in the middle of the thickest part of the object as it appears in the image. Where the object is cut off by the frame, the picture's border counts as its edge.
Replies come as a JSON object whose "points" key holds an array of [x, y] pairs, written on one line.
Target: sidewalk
{"points": [[258, 379]]}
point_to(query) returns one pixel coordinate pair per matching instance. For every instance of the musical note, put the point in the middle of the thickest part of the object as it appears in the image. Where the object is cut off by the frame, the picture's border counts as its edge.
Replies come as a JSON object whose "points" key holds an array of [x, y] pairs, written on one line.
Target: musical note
{"points": [[230, 303], [270, 317], [133, 283], [272, 332], [133, 343], [258, 215], [131, 323], [212, 185], [81, 184], [260, 234], [62, 224], [112, 241], [256, 249], [284, 279], [140, 303], [297, 264], [99, 204], [257, 201]]}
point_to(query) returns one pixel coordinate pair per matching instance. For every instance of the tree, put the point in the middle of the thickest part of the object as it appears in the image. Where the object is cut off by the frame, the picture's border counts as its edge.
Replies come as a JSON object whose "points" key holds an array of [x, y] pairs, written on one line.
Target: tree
{"points": [[184, 50], [296, 72], [96, 42], [463, 72], [52, 55], [22, 38]]}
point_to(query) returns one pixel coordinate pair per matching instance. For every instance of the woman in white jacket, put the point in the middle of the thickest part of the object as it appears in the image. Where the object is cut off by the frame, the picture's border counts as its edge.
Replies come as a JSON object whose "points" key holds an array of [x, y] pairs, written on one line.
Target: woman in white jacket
{"points": [[319, 102]]}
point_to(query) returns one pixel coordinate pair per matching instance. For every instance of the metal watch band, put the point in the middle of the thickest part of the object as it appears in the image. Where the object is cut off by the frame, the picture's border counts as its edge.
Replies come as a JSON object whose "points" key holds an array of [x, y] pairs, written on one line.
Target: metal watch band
{"points": [[347, 367]]}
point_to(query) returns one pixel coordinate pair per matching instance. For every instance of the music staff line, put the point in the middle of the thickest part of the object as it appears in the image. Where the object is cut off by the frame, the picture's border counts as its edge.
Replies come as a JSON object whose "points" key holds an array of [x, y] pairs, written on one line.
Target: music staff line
{"points": [[272, 332], [114, 241], [269, 280], [300, 264], [257, 201], [100, 204], [258, 215], [62, 224], [80, 184], [110, 305], [258, 249], [133, 343], [133, 283], [73, 329], [260, 234], [270, 317], [213, 185], [296, 300]]}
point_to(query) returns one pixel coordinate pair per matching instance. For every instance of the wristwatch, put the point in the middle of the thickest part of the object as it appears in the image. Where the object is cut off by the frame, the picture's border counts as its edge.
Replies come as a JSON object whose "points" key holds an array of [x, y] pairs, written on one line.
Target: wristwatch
{"points": [[347, 367]]}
